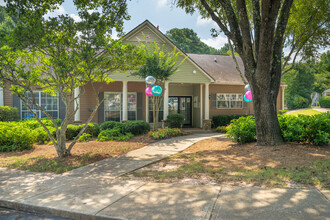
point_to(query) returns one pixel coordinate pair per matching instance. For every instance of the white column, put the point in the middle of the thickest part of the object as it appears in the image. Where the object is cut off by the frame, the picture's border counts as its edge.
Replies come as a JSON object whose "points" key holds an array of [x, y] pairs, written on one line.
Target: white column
{"points": [[165, 100], [124, 101], [201, 103], [207, 105], [147, 108], [77, 103], [1, 97]]}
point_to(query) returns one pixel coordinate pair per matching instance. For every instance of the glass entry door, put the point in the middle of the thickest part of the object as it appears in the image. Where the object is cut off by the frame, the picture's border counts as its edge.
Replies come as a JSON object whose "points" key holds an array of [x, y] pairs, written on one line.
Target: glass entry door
{"points": [[181, 105]]}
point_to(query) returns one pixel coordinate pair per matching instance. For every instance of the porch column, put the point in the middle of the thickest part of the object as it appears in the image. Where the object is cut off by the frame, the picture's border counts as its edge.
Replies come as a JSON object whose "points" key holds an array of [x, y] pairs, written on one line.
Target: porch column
{"points": [[207, 105], [165, 100], [201, 103], [124, 101], [77, 103], [1, 97], [147, 108]]}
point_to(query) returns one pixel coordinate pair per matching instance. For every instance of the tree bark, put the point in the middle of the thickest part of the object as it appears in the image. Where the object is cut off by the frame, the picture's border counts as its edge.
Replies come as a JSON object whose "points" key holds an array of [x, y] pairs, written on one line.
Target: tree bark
{"points": [[267, 125]]}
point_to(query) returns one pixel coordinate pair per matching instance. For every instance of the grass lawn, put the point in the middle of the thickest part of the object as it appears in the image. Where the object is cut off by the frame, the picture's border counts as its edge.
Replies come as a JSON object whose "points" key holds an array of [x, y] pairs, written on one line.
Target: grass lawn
{"points": [[304, 112], [220, 161], [43, 158]]}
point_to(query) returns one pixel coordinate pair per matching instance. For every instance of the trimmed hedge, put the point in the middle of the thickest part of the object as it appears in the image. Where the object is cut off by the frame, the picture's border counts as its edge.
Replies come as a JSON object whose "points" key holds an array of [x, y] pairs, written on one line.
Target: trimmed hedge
{"points": [[110, 125], [313, 129], [297, 101], [15, 137], [92, 128], [114, 134], [8, 113], [325, 102], [165, 133], [135, 127], [175, 120], [223, 120]]}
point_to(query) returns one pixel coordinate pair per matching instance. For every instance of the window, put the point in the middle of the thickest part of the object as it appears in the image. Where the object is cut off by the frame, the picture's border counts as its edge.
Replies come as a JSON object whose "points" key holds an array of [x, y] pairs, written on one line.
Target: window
{"points": [[161, 111], [113, 106], [1, 96], [47, 102], [229, 100]]}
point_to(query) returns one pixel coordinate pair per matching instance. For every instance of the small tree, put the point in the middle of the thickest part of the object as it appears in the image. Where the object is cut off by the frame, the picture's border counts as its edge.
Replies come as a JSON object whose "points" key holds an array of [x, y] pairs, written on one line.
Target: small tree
{"points": [[161, 65], [63, 55]]}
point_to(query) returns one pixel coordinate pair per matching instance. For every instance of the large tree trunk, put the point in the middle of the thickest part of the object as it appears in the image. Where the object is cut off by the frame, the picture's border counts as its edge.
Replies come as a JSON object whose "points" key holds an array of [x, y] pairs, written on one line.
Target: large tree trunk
{"points": [[267, 125]]}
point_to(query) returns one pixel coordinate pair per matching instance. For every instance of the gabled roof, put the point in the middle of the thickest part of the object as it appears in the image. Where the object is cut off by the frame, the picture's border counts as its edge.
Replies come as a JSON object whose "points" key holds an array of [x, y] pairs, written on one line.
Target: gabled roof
{"points": [[164, 39], [221, 67]]}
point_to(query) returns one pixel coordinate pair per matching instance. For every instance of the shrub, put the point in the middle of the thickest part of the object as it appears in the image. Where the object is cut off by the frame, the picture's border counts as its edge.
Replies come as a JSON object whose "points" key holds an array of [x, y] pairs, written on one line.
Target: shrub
{"points": [[165, 133], [221, 129], [114, 134], [8, 113], [15, 137], [135, 127], [85, 137], [314, 129], [72, 131], [93, 129], [41, 135], [33, 123], [223, 120], [242, 130], [325, 102], [175, 120], [297, 101], [110, 125]]}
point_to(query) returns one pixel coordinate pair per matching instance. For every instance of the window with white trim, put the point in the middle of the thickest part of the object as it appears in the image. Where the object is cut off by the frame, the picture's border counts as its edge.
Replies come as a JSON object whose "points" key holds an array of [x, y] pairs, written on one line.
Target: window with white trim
{"points": [[1, 96], [113, 106], [45, 101], [230, 101]]}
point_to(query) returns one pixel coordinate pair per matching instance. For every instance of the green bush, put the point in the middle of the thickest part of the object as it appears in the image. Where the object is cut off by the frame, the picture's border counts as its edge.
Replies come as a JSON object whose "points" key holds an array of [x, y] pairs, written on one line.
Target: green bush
{"points": [[325, 102], [297, 101], [242, 130], [165, 133], [8, 113], [314, 129], [221, 129], [110, 125], [93, 129], [85, 137], [114, 134], [72, 131], [175, 120], [223, 120], [15, 137], [33, 123], [41, 136], [135, 127]]}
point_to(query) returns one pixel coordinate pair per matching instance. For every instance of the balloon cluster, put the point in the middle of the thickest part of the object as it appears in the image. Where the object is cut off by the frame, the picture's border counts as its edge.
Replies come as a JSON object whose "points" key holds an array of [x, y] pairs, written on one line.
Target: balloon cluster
{"points": [[248, 94], [152, 89]]}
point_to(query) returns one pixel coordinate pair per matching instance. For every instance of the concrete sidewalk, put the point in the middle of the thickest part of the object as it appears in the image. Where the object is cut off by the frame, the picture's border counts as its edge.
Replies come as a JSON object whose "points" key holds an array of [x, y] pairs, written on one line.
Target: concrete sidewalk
{"points": [[97, 192]]}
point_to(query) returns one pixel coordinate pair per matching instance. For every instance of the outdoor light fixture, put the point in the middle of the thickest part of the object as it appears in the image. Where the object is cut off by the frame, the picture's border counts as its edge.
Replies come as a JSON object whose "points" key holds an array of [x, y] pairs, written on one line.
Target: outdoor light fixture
{"points": [[194, 71]]}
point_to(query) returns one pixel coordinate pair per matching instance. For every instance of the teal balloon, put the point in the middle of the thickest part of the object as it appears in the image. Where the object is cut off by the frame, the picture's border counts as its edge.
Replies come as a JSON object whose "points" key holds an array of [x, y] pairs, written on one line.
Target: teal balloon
{"points": [[156, 90], [247, 100]]}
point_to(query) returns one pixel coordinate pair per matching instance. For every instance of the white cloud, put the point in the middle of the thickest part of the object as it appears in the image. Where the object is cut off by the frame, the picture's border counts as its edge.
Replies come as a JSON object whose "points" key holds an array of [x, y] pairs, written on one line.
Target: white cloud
{"points": [[217, 42], [205, 21], [75, 17], [162, 3], [59, 11], [2, 3]]}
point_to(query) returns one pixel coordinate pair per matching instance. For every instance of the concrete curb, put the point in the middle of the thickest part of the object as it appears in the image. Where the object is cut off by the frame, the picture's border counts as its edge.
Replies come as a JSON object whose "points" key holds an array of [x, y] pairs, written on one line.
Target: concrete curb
{"points": [[51, 211]]}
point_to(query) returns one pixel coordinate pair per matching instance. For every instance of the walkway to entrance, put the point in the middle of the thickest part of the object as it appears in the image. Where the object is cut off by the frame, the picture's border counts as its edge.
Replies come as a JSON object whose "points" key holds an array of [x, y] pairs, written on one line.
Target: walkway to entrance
{"points": [[96, 192]]}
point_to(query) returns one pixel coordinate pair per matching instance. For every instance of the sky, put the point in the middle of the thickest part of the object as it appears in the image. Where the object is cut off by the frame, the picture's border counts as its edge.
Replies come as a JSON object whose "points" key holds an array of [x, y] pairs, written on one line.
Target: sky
{"points": [[159, 13]]}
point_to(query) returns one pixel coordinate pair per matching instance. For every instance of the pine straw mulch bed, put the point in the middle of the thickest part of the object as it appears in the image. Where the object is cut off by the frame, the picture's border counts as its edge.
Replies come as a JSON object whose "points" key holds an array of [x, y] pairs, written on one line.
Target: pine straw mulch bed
{"points": [[221, 161], [43, 158]]}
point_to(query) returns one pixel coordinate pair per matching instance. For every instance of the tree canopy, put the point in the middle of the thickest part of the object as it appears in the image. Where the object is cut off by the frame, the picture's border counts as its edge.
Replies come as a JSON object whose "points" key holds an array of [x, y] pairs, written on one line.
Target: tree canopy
{"points": [[188, 41], [59, 54]]}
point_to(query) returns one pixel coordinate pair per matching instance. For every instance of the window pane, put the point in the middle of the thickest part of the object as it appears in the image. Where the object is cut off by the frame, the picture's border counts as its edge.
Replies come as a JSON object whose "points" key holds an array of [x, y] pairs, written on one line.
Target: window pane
{"points": [[161, 110], [112, 106]]}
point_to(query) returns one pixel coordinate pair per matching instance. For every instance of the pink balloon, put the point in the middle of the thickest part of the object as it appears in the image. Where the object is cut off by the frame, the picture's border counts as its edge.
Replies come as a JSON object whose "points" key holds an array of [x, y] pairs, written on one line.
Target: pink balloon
{"points": [[148, 91], [248, 95]]}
